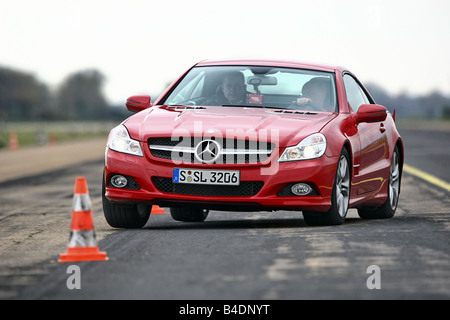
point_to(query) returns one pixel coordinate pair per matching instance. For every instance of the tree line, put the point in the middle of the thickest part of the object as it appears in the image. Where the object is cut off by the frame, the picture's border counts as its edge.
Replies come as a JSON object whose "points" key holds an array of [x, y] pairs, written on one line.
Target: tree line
{"points": [[79, 97], [434, 105]]}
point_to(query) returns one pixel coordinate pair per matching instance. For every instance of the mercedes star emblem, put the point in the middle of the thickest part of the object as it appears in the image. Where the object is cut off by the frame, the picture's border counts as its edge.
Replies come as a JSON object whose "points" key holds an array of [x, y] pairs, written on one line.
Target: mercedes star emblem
{"points": [[207, 151]]}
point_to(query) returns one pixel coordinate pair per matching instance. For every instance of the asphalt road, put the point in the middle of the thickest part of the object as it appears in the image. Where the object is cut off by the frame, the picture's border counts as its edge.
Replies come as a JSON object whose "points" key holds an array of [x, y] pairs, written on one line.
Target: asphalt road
{"points": [[258, 256], [428, 149]]}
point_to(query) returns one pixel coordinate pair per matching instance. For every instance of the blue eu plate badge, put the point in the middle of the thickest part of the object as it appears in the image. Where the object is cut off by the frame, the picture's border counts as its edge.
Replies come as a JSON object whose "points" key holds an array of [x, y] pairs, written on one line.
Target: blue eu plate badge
{"points": [[176, 175]]}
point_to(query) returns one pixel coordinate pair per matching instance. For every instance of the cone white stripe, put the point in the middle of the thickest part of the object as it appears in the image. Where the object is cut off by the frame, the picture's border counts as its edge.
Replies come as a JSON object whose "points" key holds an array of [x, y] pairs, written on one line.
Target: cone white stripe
{"points": [[82, 238], [81, 202]]}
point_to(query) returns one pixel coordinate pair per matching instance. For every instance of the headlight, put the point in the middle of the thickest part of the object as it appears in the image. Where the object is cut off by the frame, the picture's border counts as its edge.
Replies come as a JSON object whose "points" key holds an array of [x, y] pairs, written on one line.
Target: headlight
{"points": [[120, 141], [311, 147]]}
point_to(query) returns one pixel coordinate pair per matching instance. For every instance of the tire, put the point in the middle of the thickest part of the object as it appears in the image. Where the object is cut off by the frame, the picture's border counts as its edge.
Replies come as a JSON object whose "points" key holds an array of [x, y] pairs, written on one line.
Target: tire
{"points": [[340, 197], [129, 216], [387, 210], [189, 214]]}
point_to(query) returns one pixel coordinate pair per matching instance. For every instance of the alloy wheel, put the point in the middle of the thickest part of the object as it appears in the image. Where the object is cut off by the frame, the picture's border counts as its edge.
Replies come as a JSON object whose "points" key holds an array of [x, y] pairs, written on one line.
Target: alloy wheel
{"points": [[342, 186], [394, 181]]}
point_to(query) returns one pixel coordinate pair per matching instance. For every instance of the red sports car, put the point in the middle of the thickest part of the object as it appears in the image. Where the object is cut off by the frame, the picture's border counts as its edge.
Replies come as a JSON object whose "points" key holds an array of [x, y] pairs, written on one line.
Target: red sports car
{"points": [[252, 135]]}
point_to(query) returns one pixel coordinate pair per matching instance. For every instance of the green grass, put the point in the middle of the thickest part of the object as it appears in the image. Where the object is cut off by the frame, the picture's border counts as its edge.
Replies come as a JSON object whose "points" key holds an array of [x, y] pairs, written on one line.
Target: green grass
{"points": [[424, 124], [37, 133]]}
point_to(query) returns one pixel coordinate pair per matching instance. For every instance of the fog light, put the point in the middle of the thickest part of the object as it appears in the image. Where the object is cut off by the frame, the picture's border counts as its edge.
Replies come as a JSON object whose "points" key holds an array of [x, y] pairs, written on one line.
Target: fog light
{"points": [[119, 181], [301, 189]]}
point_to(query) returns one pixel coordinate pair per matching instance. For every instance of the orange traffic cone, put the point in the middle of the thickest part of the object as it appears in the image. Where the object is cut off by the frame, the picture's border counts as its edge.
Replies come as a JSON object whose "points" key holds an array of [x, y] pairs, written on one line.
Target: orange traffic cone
{"points": [[53, 140], [82, 243], [13, 141], [157, 210]]}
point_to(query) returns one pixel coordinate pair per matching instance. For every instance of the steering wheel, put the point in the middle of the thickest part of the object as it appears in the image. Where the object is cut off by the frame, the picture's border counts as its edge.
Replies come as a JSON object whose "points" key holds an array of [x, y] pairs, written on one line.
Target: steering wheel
{"points": [[307, 106]]}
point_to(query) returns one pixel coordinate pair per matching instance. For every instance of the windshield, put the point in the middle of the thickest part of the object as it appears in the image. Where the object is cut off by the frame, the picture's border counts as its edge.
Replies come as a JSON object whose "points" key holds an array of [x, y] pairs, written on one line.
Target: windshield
{"points": [[256, 86]]}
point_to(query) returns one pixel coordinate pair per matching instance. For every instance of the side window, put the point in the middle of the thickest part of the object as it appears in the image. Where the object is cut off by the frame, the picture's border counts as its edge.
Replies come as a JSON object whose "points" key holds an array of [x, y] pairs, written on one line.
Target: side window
{"points": [[355, 94]]}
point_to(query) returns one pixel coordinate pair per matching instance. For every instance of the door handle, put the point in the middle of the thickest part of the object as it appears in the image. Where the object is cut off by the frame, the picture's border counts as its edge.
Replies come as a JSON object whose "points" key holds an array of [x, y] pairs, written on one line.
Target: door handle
{"points": [[382, 128]]}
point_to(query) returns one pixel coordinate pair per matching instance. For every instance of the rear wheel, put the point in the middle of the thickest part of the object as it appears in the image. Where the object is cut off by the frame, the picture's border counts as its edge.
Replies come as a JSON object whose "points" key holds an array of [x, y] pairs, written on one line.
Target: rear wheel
{"points": [[387, 210], [189, 214], [124, 215], [340, 197]]}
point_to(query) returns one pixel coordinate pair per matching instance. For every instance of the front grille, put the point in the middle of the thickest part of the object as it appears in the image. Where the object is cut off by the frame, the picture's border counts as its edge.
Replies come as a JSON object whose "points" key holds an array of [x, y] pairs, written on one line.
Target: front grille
{"points": [[245, 189], [233, 151]]}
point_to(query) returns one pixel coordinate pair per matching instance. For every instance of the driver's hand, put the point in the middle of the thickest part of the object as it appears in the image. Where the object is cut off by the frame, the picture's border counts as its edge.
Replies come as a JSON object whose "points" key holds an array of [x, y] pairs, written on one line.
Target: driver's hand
{"points": [[303, 101]]}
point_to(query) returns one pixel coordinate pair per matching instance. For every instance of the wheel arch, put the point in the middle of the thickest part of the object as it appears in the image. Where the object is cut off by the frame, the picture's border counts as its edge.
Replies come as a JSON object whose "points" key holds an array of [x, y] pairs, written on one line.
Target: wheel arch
{"points": [[347, 145]]}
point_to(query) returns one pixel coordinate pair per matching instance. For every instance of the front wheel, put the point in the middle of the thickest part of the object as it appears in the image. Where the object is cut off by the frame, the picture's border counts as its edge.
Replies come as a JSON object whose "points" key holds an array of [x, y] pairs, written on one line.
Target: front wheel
{"points": [[340, 197], [124, 215], [387, 210]]}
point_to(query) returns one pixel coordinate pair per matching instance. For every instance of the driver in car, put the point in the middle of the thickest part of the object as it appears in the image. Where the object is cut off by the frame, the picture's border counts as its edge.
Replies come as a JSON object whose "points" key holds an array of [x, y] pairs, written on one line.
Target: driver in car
{"points": [[231, 91], [316, 94]]}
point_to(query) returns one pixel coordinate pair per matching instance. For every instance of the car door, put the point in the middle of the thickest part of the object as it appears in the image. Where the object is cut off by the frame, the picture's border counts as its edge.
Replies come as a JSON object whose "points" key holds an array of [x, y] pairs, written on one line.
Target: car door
{"points": [[373, 141]]}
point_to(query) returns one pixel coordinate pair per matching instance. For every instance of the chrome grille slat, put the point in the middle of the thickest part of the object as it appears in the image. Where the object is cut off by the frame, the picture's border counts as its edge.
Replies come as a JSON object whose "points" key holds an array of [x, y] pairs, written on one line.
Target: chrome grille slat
{"points": [[224, 151]]}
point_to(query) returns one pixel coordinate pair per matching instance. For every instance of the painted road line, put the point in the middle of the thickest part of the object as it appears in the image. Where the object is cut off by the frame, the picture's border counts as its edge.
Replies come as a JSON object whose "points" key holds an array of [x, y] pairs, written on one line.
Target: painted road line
{"points": [[427, 177]]}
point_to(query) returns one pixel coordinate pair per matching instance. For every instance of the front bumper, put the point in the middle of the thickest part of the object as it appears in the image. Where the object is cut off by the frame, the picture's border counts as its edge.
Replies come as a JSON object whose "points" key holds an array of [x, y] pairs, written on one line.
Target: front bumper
{"points": [[268, 182]]}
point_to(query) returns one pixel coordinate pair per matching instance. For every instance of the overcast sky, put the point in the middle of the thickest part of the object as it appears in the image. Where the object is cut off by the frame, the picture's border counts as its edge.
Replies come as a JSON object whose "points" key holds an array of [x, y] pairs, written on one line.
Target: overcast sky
{"points": [[141, 45]]}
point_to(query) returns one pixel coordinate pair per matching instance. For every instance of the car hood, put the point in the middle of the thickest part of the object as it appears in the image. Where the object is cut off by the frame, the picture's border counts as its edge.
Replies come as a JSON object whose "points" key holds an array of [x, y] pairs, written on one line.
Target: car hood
{"points": [[284, 127]]}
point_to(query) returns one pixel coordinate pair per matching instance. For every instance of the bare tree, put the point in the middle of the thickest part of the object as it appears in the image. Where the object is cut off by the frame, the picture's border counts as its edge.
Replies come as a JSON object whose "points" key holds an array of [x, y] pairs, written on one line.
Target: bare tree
{"points": [[22, 96], [80, 96]]}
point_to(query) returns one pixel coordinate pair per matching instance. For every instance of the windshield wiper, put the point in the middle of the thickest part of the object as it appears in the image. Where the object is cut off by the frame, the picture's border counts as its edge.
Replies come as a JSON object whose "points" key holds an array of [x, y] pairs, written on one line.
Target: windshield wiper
{"points": [[251, 106], [270, 107]]}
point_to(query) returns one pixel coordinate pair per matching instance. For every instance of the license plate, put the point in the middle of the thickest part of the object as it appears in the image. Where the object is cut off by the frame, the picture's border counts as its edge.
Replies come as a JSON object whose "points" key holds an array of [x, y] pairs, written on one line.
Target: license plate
{"points": [[216, 177]]}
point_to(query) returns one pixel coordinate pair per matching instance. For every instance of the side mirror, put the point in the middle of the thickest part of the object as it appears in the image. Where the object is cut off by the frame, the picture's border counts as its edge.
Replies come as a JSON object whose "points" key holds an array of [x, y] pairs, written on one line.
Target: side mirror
{"points": [[138, 103], [371, 113]]}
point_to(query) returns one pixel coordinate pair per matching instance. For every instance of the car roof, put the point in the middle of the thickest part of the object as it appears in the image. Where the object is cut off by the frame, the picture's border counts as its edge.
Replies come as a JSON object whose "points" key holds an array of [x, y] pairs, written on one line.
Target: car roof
{"points": [[273, 63]]}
